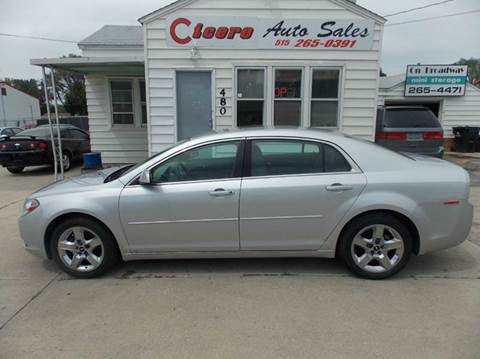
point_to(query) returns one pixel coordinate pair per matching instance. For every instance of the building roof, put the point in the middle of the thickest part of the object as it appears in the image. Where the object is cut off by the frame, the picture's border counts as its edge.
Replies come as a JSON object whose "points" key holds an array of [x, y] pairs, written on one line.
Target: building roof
{"points": [[175, 5], [115, 35], [391, 81]]}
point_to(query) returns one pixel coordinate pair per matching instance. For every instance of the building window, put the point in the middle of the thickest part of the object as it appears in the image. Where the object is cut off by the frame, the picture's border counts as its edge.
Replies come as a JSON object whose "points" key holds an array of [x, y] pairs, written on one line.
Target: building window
{"points": [[122, 102], [288, 97], [325, 96], [143, 101], [250, 97]]}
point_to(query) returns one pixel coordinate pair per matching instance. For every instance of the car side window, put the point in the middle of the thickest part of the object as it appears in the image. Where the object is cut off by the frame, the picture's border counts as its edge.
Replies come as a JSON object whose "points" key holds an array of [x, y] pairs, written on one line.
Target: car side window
{"points": [[16, 131], [289, 157], [216, 161]]}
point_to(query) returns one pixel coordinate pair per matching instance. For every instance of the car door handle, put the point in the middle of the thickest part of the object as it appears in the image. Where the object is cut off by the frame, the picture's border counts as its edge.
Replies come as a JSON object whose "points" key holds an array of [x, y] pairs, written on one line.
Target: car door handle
{"points": [[338, 187], [220, 192]]}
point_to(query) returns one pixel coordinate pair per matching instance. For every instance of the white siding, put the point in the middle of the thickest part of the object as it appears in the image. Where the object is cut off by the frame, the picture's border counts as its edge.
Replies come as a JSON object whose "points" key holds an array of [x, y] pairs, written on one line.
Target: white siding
{"points": [[17, 108], [454, 111], [118, 145], [360, 67]]}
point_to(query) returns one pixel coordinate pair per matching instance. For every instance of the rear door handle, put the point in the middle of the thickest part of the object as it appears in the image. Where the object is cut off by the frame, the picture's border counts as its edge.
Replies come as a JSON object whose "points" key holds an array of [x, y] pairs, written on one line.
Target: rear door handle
{"points": [[220, 192], [338, 187]]}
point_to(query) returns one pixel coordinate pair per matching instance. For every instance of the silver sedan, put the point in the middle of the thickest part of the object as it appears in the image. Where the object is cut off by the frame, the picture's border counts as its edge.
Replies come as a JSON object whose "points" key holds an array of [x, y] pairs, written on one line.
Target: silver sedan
{"points": [[255, 193]]}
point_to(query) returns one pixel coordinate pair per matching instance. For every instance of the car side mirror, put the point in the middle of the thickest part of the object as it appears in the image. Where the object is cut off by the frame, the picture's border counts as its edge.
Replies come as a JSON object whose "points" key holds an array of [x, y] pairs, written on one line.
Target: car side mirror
{"points": [[145, 178]]}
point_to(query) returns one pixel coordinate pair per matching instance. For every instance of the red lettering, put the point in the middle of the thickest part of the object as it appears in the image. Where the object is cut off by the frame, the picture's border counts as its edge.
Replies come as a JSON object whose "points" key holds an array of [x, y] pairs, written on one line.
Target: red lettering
{"points": [[234, 30], [222, 33], [197, 32], [173, 31], [209, 32], [247, 33]]}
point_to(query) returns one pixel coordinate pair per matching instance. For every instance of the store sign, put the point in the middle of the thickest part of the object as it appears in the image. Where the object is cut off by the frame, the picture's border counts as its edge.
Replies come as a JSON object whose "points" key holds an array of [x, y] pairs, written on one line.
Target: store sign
{"points": [[436, 80], [269, 33]]}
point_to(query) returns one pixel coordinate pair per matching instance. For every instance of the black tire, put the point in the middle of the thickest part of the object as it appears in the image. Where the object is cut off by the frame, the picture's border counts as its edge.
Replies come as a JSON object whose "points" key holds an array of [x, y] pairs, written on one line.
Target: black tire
{"points": [[361, 223], [67, 165], [110, 249], [15, 170]]}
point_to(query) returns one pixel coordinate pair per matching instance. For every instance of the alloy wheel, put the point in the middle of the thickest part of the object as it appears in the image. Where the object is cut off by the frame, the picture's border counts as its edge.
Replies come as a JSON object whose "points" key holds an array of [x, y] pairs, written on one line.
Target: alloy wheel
{"points": [[377, 248], [81, 249]]}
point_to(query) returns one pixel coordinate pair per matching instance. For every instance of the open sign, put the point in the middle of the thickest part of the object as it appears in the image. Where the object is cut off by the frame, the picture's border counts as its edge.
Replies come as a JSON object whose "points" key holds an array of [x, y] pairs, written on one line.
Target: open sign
{"points": [[284, 91]]}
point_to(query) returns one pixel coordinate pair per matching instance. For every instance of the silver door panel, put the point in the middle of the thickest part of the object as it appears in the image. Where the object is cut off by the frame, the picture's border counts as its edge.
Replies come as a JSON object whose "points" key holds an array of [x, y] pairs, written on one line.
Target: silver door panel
{"points": [[182, 216], [294, 212]]}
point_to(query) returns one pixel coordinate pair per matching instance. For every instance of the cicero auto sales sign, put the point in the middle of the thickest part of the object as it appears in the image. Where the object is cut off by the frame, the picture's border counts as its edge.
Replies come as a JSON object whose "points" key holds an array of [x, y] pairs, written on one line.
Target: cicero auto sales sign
{"points": [[269, 33]]}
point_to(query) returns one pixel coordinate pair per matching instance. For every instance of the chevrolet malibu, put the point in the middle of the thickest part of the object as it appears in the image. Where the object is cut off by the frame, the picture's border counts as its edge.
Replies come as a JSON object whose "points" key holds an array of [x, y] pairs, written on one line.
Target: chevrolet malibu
{"points": [[255, 193]]}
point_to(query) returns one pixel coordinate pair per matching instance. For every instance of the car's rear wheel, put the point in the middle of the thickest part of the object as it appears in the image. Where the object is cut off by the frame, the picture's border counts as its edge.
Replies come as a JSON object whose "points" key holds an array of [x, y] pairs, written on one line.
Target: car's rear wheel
{"points": [[83, 248], [15, 170], [67, 161], [376, 246]]}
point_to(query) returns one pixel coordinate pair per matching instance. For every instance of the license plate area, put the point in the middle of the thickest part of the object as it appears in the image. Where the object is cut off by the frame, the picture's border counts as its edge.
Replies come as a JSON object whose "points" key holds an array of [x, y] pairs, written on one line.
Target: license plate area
{"points": [[418, 136]]}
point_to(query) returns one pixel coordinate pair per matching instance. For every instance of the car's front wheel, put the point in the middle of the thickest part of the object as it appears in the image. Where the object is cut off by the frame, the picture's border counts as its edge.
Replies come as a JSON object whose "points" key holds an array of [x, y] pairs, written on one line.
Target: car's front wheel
{"points": [[376, 246], [15, 170], [83, 248]]}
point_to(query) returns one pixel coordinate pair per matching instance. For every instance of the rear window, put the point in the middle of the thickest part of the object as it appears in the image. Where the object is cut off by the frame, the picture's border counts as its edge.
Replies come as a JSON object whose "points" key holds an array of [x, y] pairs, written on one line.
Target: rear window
{"points": [[408, 117], [36, 132]]}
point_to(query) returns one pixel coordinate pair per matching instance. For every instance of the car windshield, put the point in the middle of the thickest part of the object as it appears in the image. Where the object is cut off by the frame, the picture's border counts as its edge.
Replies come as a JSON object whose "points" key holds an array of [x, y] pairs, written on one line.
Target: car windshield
{"points": [[411, 117]]}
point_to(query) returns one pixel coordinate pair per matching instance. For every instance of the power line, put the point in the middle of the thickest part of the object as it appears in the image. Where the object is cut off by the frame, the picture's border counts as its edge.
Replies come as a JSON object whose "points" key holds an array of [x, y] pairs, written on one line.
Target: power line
{"points": [[418, 8], [37, 38], [434, 18]]}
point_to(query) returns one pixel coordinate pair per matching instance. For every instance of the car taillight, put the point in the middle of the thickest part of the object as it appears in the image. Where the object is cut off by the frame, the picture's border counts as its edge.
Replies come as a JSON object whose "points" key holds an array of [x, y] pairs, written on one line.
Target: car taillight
{"points": [[436, 135], [42, 146], [3, 147], [391, 136], [32, 146]]}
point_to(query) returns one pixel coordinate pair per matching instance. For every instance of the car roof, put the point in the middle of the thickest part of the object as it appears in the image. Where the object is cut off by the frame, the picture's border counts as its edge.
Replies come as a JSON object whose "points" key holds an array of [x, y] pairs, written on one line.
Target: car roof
{"points": [[62, 125], [319, 134]]}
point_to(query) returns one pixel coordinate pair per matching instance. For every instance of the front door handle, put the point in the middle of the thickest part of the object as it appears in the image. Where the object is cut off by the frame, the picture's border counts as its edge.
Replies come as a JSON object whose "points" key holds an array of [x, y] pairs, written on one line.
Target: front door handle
{"points": [[220, 192], [338, 187]]}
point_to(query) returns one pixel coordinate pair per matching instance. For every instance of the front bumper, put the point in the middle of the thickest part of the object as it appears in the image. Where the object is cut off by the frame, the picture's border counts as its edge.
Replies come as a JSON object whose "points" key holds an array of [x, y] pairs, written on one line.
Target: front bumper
{"points": [[31, 232]]}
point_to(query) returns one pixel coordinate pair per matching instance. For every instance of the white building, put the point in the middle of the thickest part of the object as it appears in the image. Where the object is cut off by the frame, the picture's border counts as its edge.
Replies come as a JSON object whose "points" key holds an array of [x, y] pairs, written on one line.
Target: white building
{"points": [[17, 108], [198, 65]]}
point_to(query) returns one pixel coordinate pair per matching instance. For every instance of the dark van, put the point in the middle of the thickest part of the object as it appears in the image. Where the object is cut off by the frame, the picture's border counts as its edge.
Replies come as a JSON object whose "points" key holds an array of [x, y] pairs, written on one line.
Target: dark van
{"points": [[410, 129]]}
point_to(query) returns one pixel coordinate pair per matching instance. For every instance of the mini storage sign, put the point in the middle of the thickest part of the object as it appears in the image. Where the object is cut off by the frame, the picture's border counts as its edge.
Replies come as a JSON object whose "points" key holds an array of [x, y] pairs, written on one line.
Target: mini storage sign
{"points": [[269, 33], [436, 80]]}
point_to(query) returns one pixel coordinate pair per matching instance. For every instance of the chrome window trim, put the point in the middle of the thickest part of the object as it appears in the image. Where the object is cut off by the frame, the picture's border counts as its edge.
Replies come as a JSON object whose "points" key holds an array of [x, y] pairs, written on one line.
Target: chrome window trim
{"points": [[351, 162], [240, 139], [355, 168]]}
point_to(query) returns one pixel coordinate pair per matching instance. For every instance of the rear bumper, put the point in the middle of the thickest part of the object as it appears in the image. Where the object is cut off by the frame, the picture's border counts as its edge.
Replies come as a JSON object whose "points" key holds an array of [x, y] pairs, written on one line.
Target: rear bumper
{"points": [[459, 229], [24, 159]]}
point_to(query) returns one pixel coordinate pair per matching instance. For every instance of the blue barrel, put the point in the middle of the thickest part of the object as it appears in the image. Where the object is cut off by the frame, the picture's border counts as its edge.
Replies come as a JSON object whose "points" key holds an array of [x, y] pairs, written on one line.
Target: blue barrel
{"points": [[92, 161]]}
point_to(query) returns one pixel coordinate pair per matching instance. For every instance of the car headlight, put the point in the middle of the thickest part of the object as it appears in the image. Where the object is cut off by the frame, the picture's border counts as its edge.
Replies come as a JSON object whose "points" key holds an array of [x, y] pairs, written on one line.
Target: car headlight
{"points": [[30, 206]]}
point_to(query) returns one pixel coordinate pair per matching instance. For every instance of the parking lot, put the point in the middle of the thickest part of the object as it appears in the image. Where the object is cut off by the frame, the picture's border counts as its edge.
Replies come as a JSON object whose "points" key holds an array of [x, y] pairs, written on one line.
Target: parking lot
{"points": [[275, 308]]}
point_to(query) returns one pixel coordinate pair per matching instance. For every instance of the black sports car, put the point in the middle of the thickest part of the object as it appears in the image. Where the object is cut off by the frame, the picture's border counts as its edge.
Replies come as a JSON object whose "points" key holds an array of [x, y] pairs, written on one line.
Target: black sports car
{"points": [[34, 147]]}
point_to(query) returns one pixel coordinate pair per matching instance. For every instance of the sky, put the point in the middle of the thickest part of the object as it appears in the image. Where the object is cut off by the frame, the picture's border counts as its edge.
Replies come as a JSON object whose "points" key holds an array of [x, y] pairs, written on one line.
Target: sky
{"points": [[434, 42]]}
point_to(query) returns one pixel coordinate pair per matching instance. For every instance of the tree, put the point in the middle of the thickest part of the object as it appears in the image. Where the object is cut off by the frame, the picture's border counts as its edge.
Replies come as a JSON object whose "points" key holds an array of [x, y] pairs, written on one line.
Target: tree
{"points": [[473, 70], [70, 90], [382, 74]]}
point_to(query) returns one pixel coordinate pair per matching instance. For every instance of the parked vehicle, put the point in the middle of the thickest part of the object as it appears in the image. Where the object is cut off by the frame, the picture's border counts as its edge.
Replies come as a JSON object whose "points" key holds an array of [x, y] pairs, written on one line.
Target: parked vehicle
{"points": [[255, 193], [9, 131], [410, 129], [34, 148]]}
